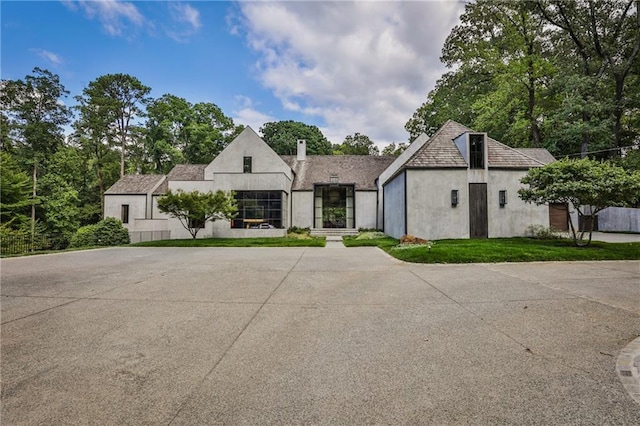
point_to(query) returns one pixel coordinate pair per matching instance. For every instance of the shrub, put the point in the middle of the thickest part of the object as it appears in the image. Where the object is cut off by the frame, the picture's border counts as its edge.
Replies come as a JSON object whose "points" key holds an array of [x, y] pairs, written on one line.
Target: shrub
{"points": [[369, 230], [297, 230], [370, 235], [542, 233], [107, 232]]}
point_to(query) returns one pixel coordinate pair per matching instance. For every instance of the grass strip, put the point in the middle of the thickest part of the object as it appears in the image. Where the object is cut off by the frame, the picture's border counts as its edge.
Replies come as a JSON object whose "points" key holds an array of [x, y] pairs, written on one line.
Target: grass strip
{"points": [[237, 242], [497, 250]]}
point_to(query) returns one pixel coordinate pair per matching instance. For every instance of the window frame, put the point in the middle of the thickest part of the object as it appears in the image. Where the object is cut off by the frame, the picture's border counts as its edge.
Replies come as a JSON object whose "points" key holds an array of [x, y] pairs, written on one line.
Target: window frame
{"points": [[124, 213]]}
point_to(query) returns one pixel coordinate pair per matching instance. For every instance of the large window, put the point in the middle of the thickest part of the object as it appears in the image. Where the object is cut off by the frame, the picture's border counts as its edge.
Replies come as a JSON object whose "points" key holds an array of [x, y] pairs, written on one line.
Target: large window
{"points": [[257, 208], [476, 151]]}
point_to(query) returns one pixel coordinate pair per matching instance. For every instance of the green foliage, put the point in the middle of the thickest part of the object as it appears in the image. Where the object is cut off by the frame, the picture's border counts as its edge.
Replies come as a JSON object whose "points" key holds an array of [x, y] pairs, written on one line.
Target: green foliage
{"points": [[299, 230], [394, 150], [194, 209], [587, 185], [357, 144], [282, 136], [107, 232], [15, 192], [542, 232], [60, 207]]}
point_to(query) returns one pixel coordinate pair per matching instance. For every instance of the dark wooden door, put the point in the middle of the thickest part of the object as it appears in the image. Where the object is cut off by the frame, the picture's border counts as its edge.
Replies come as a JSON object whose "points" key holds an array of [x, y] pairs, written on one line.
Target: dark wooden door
{"points": [[559, 216], [478, 215]]}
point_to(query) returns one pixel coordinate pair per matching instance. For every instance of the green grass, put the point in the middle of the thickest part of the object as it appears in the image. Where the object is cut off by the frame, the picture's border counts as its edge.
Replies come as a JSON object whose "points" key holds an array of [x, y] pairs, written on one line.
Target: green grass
{"points": [[502, 250], [237, 242]]}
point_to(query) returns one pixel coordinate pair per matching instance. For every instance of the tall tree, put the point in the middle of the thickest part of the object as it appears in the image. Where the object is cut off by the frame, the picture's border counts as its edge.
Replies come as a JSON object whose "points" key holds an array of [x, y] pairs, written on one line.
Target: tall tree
{"points": [[177, 132], [281, 136], [604, 37], [356, 144], [114, 101], [15, 192], [35, 117]]}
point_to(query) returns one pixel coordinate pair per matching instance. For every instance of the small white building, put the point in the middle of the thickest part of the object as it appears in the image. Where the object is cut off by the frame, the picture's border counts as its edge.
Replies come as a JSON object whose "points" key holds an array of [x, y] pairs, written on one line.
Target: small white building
{"points": [[456, 184]]}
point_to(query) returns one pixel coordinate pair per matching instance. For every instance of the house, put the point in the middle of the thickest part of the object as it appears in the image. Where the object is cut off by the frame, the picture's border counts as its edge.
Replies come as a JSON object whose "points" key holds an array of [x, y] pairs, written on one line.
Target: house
{"points": [[456, 184]]}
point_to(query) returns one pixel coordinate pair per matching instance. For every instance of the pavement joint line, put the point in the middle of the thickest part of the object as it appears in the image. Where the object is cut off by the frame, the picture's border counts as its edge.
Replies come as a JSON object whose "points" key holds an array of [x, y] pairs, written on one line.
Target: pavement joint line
{"points": [[39, 312], [566, 291], [224, 353], [492, 326]]}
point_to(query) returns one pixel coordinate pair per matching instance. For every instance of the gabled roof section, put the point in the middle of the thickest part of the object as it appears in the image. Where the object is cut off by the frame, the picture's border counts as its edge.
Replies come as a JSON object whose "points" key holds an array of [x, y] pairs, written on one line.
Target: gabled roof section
{"points": [[440, 151], [361, 170], [136, 184], [247, 144]]}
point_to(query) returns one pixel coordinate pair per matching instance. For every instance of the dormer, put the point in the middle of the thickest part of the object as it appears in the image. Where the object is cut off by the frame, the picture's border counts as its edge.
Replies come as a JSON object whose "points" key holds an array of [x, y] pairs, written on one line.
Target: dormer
{"points": [[473, 147]]}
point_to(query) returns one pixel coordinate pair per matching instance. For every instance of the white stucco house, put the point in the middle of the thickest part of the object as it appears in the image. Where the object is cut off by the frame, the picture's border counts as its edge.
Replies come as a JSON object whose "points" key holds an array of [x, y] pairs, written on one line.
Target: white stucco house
{"points": [[457, 183]]}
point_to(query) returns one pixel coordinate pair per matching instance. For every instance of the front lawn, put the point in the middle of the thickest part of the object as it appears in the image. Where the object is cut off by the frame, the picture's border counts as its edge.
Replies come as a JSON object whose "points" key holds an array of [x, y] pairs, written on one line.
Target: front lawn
{"points": [[501, 250], [237, 242]]}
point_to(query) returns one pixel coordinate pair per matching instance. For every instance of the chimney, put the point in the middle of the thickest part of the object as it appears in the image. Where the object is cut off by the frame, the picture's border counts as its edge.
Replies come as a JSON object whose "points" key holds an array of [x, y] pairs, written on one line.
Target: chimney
{"points": [[302, 149]]}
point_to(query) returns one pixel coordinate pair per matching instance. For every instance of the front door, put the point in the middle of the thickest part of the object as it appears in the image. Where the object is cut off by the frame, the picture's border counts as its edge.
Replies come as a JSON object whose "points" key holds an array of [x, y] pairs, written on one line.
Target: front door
{"points": [[478, 212]]}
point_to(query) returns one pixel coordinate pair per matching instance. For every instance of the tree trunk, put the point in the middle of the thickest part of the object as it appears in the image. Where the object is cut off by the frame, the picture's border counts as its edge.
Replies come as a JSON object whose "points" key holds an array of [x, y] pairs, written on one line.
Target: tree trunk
{"points": [[617, 114], [533, 122]]}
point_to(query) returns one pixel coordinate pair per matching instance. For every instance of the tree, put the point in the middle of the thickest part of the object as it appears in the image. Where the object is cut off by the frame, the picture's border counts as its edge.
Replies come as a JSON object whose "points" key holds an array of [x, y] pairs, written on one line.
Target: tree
{"points": [[587, 185], [110, 105], [357, 144], [602, 37], [194, 209], [394, 150], [15, 192], [34, 119], [282, 136]]}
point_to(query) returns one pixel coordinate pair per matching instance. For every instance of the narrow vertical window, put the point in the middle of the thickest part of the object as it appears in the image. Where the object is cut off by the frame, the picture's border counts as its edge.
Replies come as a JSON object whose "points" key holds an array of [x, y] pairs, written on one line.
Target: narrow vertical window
{"points": [[476, 151], [454, 197], [247, 165], [124, 213], [502, 198]]}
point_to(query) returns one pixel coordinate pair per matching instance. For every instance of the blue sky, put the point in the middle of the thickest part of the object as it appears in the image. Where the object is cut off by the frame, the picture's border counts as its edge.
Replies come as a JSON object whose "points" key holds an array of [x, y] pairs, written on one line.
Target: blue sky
{"points": [[344, 66]]}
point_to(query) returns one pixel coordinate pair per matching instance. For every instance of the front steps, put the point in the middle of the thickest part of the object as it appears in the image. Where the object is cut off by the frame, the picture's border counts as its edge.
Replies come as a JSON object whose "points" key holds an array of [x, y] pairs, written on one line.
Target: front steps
{"points": [[333, 232]]}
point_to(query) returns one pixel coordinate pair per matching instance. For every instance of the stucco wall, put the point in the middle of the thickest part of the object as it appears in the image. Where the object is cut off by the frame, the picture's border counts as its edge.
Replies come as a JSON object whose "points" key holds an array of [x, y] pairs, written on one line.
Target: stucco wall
{"points": [[394, 206], [247, 144], [516, 216], [430, 214], [137, 207], [366, 209], [302, 209], [252, 182]]}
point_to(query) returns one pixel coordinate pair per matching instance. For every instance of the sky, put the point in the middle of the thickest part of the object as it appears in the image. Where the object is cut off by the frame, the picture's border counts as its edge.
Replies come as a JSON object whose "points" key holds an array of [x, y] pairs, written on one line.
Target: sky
{"points": [[346, 67]]}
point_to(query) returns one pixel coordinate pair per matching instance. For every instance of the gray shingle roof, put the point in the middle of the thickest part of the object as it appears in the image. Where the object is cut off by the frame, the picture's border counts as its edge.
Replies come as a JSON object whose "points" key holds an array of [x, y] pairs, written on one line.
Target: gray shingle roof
{"points": [[187, 172], [135, 184], [361, 170], [441, 152], [540, 154]]}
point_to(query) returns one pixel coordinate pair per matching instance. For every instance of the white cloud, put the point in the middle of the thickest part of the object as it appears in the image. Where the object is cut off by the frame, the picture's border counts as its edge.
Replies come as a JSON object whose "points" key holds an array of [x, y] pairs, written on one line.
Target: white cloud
{"points": [[246, 113], [182, 12], [114, 15], [359, 66], [53, 58], [186, 21]]}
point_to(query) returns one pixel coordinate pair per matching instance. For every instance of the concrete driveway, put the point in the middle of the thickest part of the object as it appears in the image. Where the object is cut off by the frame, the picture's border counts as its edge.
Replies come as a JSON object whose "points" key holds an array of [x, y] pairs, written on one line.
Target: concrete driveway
{"points": [[313, 336]]}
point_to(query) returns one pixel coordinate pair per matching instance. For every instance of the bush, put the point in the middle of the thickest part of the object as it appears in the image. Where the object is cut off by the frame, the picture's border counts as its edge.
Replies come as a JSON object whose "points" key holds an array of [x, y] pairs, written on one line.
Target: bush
{"points": [[540, 232], [297, 230], [107, 232], [370, 235], [369, 230]]}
